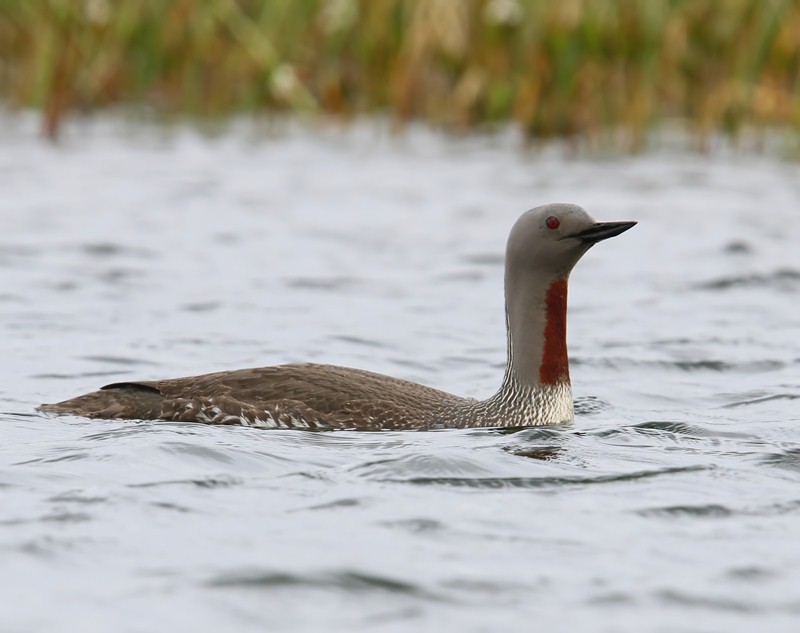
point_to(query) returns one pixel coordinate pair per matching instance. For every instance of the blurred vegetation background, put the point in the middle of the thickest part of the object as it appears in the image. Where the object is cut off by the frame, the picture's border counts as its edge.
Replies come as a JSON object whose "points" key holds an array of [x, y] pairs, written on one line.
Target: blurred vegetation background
{"points": [[594, 69]]}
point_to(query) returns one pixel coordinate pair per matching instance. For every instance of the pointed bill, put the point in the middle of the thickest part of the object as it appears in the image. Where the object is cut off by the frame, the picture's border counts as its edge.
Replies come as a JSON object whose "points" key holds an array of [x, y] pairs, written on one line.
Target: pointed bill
{"points": [[602, 231]]}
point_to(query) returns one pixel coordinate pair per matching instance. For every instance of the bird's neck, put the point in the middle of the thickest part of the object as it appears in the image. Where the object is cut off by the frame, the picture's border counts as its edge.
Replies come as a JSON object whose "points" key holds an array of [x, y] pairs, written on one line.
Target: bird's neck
{"points": [[537, 333], [537, 370]]}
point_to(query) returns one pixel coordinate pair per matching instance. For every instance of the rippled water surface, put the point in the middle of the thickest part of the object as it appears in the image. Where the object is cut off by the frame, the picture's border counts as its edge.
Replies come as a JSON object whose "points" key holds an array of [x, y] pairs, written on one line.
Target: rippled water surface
{"points": [[671, 504]]}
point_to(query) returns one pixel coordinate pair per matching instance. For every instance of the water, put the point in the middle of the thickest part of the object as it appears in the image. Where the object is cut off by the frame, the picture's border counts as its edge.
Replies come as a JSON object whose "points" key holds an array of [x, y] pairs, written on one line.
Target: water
{"points": [[671, 504]]}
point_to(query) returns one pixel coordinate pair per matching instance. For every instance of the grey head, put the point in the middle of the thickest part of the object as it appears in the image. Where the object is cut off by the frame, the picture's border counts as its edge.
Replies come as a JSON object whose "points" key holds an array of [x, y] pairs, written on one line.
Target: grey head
{"points": [[549, 240]]}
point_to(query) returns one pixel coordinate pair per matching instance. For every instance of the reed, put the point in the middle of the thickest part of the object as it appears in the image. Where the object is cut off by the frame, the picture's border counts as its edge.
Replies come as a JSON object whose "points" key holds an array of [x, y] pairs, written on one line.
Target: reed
{"points": [[592, 69]]}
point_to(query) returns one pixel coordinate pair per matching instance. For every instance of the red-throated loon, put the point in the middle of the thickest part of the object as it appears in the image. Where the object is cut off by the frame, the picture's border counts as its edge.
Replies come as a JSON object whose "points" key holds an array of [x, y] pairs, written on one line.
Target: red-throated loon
{"points": [[544, 245]]}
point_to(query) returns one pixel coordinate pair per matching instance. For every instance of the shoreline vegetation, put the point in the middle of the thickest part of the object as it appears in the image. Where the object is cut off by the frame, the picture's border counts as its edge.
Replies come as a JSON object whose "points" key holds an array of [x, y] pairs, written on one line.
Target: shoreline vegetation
{"points": [[569, 69]]}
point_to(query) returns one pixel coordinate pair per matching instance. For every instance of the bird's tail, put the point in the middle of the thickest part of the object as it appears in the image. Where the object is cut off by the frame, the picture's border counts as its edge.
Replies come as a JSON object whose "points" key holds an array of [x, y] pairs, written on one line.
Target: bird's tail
{"points": [[129, 401]]}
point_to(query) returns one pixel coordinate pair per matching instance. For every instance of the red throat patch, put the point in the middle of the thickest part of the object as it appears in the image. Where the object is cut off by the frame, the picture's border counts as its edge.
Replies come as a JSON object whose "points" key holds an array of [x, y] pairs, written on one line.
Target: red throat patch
{"points": [[555, 364]]}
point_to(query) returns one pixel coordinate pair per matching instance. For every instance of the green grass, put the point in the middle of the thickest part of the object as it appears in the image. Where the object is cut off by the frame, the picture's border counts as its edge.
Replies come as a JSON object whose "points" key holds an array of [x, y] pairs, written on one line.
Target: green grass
{"points": [[591, 69]]}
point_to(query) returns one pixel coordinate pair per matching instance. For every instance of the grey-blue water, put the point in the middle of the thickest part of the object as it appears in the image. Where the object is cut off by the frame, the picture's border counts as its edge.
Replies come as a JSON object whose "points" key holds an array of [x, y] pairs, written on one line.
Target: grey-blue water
{"points": [[671, 504]]}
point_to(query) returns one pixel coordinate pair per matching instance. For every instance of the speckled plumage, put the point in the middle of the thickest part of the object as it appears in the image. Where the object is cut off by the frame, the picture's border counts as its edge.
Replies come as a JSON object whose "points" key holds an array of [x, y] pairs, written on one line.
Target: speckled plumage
{"points": [[304, 396], [535, 389]]}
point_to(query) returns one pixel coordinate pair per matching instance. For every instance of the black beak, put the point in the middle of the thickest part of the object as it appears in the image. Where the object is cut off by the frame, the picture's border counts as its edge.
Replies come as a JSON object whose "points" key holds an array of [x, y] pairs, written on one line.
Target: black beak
{"points": [[602, 231]]}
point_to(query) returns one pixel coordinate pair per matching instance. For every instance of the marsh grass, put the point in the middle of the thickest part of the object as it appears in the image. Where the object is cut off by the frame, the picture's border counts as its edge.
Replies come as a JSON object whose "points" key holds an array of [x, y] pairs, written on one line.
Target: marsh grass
{"points": [[558, 68]]}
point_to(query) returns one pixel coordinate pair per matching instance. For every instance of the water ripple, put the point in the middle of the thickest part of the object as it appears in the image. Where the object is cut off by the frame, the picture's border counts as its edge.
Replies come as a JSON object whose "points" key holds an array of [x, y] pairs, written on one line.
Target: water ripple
{"points": [[785, 279], [543, 482], [789, 459], [762, 400], [697, 365], [708, 510], [205, 482], [345, 580], [683, 599]]}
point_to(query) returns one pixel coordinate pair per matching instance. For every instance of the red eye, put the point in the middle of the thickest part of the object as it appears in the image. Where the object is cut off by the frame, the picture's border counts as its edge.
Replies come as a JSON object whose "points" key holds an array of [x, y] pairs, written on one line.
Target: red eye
{"points": [[552, 222]]}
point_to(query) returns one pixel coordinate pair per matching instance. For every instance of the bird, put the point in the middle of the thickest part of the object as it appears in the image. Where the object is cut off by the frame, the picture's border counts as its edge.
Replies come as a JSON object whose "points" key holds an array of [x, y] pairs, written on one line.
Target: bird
{"points": [[543, 246]]}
